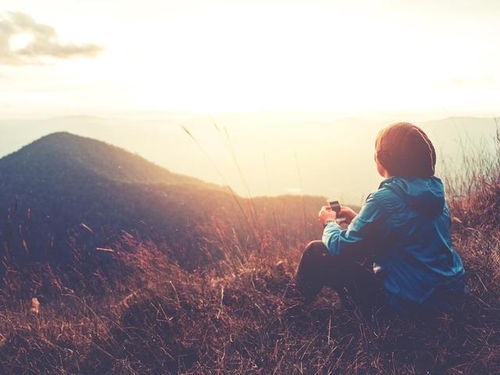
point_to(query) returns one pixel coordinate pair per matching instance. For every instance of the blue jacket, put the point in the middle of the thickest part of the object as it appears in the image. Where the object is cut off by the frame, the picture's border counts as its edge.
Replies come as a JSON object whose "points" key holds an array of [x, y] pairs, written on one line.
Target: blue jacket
{"points": [[404, 226]]}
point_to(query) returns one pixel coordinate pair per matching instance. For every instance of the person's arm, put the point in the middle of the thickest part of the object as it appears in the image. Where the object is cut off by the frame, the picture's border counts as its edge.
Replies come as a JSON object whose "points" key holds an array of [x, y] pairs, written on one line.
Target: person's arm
{"points": [[364, 231], [348, 214]]}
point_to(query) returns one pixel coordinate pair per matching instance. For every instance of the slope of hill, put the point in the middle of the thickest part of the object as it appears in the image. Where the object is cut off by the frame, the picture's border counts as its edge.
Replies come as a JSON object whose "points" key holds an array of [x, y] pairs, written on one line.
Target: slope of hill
{"points": [[66, 151], [64, 196]]}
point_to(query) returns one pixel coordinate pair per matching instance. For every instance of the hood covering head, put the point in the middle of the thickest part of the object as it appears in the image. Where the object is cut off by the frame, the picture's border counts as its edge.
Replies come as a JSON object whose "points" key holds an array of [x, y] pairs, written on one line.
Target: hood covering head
{"points": [[425, 195]]}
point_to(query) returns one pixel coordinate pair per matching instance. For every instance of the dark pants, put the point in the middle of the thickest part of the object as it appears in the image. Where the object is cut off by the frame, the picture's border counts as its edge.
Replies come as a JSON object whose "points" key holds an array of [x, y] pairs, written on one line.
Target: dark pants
{"points": [[318, 268]]}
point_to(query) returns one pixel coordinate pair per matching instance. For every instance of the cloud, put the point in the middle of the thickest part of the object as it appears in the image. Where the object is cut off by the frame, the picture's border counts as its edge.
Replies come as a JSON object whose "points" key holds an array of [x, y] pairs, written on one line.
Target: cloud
{"points": [[42, 42]]}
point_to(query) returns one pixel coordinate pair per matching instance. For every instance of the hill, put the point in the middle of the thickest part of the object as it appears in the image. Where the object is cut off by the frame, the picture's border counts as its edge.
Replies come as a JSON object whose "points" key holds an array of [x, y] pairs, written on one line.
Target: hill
{"points": [[272, 151], [65, 151], [69, 201]]}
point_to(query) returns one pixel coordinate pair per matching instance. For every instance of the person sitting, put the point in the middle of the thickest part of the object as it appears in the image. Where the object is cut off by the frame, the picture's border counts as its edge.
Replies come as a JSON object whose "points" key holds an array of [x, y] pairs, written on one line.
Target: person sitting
{"points": [[402, 230]]}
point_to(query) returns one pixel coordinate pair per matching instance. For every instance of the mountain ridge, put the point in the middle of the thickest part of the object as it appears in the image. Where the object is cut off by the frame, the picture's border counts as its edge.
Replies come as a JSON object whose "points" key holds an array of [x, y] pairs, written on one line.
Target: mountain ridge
{"points": [[54, 185], [63, 196], [110, 161]]}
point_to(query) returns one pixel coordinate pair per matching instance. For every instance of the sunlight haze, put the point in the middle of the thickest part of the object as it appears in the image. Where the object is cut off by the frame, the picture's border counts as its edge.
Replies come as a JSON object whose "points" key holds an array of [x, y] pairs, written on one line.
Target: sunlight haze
{"points": [[333, 56]]}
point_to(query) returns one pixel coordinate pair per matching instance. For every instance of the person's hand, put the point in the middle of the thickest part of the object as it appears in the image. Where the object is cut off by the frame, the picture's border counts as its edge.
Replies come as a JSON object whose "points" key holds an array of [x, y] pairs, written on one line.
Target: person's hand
{"points": [[326, 214], [348, 213]]}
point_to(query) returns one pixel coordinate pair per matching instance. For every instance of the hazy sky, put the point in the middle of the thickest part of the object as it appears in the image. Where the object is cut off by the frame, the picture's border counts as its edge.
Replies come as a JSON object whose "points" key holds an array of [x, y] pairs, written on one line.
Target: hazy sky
{"points": [[101, 56]]}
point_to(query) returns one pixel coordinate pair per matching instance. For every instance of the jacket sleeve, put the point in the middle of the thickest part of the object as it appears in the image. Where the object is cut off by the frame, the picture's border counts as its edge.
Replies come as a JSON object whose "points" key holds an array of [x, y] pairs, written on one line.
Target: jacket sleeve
{"points": [[366, 230]]}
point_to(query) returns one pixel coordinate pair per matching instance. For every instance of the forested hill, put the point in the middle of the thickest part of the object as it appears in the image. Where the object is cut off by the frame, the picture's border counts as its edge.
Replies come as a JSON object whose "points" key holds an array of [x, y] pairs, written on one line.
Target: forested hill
{"points": [[61, 152], [64, 197]]}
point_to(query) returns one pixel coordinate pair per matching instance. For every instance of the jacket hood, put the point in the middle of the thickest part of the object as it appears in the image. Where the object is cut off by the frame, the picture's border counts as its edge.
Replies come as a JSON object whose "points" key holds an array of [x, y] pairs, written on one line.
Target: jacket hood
{"points": [[425, 195]]}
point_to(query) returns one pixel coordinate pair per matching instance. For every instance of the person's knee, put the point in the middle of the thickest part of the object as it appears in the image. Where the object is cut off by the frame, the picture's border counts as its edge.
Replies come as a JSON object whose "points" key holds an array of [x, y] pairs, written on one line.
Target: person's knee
{"points": [[315, 248], [310, 274]]}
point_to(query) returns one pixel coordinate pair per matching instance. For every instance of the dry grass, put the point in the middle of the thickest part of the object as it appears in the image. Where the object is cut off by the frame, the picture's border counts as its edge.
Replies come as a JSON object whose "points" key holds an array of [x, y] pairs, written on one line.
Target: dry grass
{"points": [[249, 321]]}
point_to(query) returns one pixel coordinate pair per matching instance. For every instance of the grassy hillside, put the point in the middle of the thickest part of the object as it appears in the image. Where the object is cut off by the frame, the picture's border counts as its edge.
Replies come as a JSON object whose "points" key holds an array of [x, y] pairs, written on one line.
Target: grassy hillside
{"points": [[67, 204], [242, 314]]}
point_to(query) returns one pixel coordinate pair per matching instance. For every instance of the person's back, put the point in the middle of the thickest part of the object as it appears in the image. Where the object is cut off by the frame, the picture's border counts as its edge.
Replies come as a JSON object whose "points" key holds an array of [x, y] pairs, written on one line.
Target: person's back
{"points": [[403, 228], [413, 251]]}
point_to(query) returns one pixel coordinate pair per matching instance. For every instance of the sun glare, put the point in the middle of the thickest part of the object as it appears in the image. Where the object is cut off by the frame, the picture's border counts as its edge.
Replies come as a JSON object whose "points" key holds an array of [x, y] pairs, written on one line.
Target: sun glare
{"points": [[305, 56]]}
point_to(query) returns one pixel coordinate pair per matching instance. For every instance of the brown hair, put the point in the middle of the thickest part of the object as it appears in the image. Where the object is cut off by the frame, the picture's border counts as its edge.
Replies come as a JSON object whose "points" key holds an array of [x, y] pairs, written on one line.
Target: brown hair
{"points": [[405, 151]]}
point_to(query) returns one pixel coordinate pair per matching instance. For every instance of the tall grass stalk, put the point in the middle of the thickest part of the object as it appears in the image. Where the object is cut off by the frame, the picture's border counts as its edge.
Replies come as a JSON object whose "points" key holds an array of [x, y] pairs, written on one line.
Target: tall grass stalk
{"points": [[248, 221], [224, 133]]}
